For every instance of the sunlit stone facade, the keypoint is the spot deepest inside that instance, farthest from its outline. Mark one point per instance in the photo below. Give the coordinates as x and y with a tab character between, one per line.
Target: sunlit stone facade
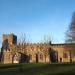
34	53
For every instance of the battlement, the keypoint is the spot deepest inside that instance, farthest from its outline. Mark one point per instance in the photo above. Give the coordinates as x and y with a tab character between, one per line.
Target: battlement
9	39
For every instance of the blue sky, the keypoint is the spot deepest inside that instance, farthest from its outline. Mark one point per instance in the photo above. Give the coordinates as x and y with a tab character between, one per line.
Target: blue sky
36	18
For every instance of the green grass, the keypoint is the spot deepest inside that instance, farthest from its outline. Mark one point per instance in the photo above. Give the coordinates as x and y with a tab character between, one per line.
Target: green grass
37	69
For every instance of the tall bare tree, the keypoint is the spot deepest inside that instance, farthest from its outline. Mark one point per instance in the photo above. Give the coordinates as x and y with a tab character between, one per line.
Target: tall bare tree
23	41
46	39
70	34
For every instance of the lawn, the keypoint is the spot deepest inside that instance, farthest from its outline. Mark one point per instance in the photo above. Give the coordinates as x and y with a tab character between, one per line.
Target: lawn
37	69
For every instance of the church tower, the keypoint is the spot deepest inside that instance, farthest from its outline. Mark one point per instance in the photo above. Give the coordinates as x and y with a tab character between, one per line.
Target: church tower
9	39
6	52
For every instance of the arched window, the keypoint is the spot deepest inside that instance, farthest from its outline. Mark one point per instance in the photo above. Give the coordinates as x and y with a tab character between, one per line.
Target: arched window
15	59
65	55
41	57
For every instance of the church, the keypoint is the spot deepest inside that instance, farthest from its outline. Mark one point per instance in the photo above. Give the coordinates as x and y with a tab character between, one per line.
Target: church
13	52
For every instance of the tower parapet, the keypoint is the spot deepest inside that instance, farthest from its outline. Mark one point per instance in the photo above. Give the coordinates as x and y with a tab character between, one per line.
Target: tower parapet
9	39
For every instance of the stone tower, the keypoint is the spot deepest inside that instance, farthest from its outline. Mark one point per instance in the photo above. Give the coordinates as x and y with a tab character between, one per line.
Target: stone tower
9	39
6	52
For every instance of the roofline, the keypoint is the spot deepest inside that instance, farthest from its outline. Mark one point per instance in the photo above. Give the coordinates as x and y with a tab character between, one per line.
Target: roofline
64	44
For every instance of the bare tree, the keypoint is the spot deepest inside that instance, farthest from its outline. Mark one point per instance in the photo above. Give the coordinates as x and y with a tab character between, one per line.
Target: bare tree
22	42
70	34
46	39
22	39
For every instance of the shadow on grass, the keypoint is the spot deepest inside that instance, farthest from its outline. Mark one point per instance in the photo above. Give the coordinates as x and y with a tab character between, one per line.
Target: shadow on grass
39	69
